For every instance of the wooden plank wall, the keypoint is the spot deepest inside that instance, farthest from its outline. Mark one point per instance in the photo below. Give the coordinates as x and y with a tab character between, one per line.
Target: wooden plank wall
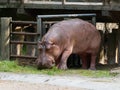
110	46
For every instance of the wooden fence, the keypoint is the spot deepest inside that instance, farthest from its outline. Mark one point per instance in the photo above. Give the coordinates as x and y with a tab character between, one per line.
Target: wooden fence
110	47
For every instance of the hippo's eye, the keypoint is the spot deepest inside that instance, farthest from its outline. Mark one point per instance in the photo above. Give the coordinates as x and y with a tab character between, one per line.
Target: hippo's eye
49	50
48	46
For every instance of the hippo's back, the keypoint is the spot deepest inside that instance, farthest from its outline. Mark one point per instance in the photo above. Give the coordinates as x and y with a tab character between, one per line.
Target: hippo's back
79	33
73	26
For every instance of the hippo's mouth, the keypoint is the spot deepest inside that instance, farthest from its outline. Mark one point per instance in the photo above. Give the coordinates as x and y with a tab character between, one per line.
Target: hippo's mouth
44	67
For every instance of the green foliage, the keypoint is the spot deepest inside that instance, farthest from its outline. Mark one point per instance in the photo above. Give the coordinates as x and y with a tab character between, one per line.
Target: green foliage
53	71
12	66
90	73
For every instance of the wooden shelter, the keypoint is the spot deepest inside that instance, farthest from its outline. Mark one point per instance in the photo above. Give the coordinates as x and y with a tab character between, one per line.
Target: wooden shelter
107	12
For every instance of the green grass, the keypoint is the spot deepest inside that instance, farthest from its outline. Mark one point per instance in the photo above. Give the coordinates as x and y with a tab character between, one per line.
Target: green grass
12	66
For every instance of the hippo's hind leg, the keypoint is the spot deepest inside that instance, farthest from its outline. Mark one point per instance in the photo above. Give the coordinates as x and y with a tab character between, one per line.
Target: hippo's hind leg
93	61
84	61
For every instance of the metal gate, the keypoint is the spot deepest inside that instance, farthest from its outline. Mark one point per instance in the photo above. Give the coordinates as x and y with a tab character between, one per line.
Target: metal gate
19	32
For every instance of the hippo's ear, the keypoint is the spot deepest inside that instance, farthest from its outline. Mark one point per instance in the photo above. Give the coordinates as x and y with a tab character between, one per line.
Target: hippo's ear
51	43
39	42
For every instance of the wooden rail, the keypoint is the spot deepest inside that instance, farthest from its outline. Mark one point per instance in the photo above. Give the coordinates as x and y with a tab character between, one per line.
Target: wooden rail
64	2
22	56
24	33
23	42
113	5
23	22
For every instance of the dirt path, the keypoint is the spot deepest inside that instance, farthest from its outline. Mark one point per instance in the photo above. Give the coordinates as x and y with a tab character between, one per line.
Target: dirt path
15	85
11	81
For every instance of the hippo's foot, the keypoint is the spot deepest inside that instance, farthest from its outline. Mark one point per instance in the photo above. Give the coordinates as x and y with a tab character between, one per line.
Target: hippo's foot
84	67
63	67
92	68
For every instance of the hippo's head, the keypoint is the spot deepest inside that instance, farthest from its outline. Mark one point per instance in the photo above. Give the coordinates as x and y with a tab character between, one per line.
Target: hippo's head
48	53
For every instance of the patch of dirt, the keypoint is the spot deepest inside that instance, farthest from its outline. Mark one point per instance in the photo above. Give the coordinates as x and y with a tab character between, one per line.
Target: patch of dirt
14	85
14	81
115	70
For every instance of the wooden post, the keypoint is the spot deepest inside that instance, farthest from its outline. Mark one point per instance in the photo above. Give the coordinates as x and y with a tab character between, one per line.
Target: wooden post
111	47
101	56
63	2
39	31
0	38
115	32
94	20
118	38
39	27
5	38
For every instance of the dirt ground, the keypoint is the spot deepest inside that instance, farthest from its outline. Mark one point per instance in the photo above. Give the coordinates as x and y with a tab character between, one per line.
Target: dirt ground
16	81
14	85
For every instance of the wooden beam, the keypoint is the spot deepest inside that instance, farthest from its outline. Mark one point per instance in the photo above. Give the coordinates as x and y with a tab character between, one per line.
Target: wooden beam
118	40
5	38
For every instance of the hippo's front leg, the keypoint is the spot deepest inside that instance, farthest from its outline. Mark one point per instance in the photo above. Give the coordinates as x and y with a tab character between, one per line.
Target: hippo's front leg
63	61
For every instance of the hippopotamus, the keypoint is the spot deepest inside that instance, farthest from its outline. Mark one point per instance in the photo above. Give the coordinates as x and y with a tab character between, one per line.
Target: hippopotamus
72	36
